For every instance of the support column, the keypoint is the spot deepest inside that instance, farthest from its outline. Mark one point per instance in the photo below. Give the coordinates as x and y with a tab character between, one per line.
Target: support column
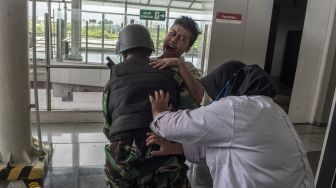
15	131
76	20
313	73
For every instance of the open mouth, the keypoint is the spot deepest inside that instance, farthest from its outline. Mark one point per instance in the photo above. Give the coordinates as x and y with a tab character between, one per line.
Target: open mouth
170	47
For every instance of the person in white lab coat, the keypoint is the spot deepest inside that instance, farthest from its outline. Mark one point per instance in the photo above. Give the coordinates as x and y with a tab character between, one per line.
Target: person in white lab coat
246	139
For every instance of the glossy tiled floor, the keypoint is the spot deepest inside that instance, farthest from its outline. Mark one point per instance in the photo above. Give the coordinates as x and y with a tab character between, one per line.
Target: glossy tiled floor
78	157
312	138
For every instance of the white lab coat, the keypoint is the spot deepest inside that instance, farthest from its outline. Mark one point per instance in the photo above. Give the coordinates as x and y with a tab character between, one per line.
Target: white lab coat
246	141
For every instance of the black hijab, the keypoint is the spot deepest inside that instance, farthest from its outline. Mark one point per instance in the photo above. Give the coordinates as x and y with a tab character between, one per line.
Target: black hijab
215	81
235	78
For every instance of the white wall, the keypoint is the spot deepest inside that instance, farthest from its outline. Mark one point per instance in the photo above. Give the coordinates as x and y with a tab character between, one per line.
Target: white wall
246	41
312	56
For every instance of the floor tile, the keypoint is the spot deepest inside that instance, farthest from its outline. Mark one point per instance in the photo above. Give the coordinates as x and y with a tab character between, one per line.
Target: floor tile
314	158
312	142
71	133
64	155
78	157
304	129
83	154
75	177
91	154
61	177
89	177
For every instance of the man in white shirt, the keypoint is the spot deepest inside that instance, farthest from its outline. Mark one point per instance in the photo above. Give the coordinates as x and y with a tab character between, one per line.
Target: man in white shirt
246	139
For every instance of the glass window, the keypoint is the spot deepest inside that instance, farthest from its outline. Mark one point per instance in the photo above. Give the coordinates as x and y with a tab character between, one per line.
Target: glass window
135	11
41	88
113	25
94	36
157	30
77	89
80	89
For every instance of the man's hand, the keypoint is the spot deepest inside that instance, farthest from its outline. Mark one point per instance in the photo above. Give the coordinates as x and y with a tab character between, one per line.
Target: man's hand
194	87
160	102
166	62
166	147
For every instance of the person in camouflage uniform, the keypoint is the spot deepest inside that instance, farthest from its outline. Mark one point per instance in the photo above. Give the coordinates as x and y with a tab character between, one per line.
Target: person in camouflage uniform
179	40
129	162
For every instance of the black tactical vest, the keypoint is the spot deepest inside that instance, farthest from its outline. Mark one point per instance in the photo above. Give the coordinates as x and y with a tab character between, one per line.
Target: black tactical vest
131	83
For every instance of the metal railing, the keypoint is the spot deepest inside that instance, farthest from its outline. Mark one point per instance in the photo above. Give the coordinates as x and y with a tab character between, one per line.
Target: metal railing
37	109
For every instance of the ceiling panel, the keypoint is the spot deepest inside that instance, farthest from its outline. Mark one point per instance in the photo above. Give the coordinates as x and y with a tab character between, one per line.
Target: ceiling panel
133	1
181	4
159	2
197	6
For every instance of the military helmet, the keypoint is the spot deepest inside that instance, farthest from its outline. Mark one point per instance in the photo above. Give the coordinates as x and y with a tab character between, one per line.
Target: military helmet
133	36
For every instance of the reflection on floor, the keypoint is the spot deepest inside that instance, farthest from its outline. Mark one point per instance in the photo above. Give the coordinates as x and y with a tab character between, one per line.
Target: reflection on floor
78	157
312	138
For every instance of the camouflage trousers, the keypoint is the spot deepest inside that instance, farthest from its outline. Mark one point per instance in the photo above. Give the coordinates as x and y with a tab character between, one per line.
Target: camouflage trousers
130	165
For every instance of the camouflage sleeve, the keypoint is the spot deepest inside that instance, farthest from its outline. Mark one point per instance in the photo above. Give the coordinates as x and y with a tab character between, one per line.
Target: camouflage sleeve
193	70
105	103
186	100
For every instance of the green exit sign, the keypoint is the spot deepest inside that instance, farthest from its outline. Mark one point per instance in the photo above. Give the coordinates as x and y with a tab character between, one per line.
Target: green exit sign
152	15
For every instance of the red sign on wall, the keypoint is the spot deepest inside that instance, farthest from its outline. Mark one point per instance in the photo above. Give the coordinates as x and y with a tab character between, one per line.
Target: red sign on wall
222	17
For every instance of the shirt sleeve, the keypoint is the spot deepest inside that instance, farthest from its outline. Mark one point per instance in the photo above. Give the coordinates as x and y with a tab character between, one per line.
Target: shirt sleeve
210	126
194	153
